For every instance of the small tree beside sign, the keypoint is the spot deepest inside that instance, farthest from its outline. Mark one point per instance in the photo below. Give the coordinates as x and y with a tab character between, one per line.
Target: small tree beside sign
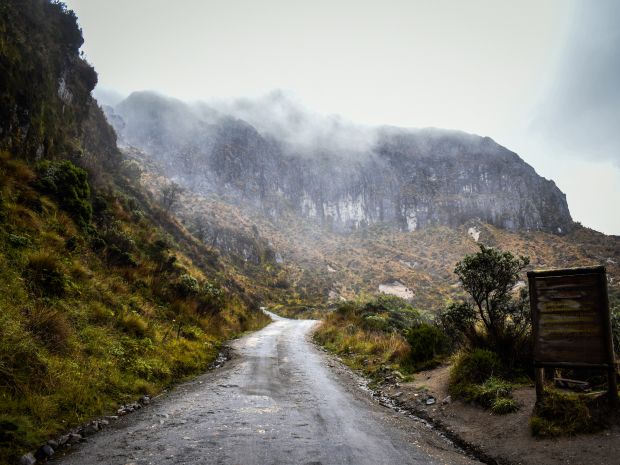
571	323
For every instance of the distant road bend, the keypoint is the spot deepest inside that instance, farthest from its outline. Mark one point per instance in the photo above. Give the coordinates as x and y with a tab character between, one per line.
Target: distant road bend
275	402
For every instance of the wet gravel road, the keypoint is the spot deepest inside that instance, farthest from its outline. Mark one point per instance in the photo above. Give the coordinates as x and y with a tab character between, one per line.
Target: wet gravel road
276	402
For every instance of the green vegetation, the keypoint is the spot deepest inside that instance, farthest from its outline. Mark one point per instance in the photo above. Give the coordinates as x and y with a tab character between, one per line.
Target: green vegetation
566	414
494	318
383	333
69	185
475	377
428	344
104	296
82	331
492	330
301	312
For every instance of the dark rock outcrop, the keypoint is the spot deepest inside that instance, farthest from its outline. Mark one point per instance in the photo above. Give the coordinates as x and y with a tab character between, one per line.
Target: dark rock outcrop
404	178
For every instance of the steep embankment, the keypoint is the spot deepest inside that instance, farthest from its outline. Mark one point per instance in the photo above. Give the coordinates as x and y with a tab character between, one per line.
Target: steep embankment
105	296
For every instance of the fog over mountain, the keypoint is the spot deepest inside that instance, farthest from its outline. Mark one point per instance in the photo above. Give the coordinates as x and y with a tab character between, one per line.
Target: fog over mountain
277	156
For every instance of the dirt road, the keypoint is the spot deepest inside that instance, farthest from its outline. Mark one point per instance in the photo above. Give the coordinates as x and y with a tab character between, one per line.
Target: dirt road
276	402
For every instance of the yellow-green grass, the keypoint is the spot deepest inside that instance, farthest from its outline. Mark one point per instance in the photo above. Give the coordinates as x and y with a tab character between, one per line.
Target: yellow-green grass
80	335
371	351
567	414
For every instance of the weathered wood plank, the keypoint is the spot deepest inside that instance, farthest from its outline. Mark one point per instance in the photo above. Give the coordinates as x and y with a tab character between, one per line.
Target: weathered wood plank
571	322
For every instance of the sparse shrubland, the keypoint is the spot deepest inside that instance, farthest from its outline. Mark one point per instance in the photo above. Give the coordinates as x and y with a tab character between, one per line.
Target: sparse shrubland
383	333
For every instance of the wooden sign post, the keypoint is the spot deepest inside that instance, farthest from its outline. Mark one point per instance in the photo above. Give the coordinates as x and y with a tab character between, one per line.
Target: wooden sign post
571	323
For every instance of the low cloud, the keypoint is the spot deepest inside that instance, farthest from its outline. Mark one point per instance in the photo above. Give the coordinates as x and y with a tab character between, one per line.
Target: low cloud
581	113
303	132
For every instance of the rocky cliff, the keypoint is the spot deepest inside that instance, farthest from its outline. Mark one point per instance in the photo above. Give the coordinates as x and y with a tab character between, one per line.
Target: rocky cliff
340	175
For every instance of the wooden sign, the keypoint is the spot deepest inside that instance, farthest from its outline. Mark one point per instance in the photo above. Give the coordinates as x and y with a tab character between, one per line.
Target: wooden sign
570	320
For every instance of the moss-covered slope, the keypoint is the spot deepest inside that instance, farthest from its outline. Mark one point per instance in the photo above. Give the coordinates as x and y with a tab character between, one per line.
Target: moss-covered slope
103	296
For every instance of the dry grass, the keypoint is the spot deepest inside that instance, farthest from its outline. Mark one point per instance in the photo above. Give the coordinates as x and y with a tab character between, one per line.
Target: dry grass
363	349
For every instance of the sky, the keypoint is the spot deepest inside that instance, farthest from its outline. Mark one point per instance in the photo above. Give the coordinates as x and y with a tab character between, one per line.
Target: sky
540	77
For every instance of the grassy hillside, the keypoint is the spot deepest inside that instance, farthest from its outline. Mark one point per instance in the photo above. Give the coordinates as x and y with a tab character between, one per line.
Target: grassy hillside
93	316
104	296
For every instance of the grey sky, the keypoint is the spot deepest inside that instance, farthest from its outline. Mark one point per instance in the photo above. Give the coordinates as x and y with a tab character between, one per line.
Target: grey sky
538	76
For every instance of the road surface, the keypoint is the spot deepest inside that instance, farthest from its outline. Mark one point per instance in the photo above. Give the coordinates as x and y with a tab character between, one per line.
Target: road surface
278	401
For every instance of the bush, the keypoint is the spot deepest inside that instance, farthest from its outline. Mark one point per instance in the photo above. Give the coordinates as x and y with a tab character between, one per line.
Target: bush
399	313
489	277
69	184
44	276
475	367
18	241
375	322
212	298
427	342
118	257
187	286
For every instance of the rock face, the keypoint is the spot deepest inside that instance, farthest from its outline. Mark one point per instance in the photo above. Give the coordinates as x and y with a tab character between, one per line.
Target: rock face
406	179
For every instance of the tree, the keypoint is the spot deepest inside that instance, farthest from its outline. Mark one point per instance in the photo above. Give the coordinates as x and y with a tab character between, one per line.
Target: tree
490	277
170	196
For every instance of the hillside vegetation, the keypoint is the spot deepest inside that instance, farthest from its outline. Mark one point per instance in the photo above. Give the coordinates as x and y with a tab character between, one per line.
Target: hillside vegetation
292	261
105	297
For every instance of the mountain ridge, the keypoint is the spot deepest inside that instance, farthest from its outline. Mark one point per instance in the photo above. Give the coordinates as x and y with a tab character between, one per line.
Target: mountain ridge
406	178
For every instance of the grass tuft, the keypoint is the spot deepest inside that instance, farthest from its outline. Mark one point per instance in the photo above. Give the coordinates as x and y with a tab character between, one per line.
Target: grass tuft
567	414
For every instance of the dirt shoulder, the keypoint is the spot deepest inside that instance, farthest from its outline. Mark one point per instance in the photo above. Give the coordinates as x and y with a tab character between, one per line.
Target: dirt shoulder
502	439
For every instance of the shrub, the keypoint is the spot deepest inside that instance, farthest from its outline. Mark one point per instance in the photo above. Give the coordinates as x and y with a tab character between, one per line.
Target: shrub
187	286
119	257
400	314
459	321
72	243
347	309
489	277
427	342
475	367
375	322
44	276
97	243
69	184
212	298
121	246
18	241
